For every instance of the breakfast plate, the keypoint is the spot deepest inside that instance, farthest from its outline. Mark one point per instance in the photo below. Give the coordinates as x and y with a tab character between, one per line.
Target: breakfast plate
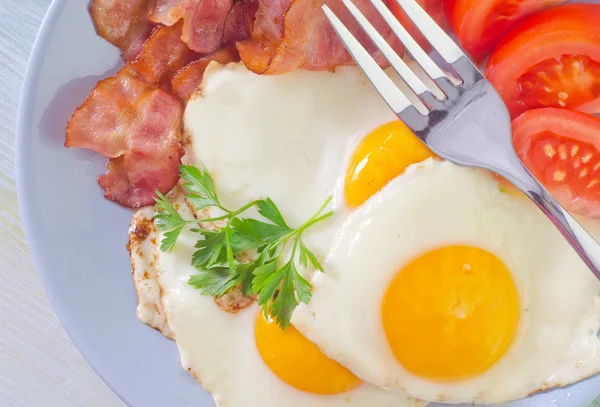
77	240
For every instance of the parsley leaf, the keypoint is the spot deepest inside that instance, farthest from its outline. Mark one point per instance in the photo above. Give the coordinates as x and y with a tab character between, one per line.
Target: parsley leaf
301	286
281	308
168	220
245	277
200	187
214	281
306	253
211	250
263	273
294	288
268	232
245	236
281	290
268	209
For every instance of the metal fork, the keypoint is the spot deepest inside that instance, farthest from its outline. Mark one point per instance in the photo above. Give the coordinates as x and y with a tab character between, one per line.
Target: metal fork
458	115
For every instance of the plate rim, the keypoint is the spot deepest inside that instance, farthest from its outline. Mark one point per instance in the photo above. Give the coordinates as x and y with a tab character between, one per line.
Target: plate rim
24	124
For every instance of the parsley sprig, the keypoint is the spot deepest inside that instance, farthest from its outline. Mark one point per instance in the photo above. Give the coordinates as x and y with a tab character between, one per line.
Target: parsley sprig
244	252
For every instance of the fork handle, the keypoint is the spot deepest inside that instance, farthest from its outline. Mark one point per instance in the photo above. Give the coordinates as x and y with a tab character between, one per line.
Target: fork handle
584	244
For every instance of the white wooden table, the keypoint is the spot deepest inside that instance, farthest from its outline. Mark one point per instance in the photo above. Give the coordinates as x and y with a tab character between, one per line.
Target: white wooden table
39	366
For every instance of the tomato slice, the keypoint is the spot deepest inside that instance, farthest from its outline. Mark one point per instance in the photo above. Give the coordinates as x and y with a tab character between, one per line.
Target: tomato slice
481	24
433	7
550	60
561	148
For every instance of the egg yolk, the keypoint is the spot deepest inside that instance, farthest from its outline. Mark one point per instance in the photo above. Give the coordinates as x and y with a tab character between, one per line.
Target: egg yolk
380	157
299	362
451	313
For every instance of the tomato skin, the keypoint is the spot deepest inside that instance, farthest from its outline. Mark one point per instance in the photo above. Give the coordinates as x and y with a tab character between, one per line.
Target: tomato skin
481	24
435	8
561	148
566	30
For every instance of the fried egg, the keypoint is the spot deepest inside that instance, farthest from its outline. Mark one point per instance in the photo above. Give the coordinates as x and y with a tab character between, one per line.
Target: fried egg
442	286
241	358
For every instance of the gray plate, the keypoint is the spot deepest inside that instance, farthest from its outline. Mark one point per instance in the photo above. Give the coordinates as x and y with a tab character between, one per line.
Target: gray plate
77	239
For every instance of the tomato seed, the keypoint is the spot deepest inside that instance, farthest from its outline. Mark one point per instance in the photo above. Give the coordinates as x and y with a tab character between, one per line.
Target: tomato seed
574	150
562	152
549	150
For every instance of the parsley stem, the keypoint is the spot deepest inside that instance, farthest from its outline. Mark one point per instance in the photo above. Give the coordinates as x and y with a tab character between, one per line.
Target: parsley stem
294	247
228	215
243	209
321	209
313	221
211	219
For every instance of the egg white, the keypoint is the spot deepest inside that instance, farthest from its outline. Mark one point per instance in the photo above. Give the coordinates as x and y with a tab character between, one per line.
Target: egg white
435	204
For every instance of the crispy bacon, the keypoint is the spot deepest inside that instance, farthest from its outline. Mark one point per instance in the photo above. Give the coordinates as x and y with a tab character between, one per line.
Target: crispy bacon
139	129
125	24
154	154
101	123
133	120
187	80
163	54
204	21
290	34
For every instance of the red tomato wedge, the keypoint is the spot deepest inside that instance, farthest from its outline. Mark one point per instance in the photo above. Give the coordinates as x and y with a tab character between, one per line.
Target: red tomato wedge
433	7
561	148
481	24
550	60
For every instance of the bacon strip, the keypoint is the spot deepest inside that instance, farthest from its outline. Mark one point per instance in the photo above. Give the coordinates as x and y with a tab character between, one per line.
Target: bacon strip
204	21
139	129
123	23
290	34
187	80
101	123
133	120
154	154
163	54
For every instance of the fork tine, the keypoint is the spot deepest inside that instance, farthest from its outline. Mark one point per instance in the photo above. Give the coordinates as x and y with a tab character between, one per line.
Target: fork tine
413	81
384	85
442	43
418	54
